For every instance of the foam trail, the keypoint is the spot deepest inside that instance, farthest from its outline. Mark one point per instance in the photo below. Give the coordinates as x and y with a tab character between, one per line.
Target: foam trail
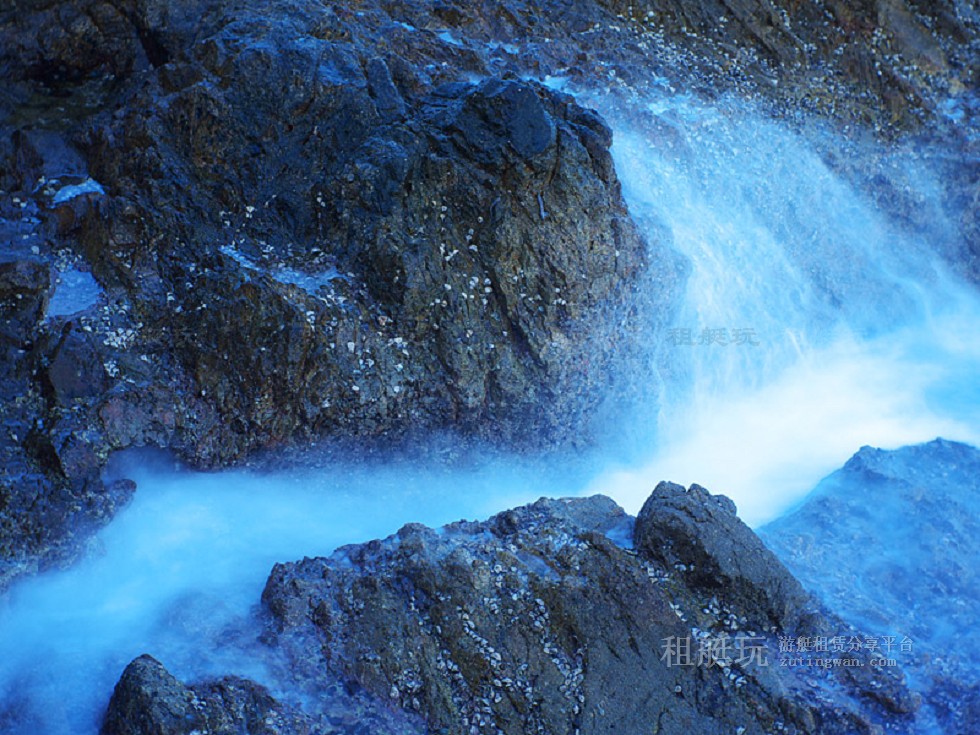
766	448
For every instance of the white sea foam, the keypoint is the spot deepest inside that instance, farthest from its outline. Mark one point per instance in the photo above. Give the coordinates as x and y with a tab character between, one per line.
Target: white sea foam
180	570
811	324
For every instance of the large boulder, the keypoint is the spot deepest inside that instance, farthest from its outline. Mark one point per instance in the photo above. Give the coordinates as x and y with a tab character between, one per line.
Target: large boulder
533	620
302	223
466	264
701	537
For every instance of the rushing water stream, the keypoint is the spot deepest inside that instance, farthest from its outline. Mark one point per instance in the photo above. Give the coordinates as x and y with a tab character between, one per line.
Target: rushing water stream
810	326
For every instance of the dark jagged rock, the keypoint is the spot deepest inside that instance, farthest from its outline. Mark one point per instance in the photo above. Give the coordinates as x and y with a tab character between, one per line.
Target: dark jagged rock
433	272
301	230
148	700
49	473
533	621
883	62
918	507
700	535
24	289
310	220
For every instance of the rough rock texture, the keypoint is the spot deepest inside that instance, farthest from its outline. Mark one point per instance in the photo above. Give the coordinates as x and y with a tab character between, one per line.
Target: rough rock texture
557	617
310	219
919	508
562	616
451	268
304	224
148	700
703	534
49	471
880	61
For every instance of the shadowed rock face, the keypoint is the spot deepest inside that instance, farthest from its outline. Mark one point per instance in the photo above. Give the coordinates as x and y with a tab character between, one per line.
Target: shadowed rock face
880	61
465	267
702	534
558	617
148	700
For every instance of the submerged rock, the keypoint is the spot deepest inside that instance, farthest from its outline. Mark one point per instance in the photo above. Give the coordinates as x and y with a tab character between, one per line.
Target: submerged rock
566	616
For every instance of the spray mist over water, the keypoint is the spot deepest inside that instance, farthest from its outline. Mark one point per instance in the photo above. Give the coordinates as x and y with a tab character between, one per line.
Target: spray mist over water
831	329
810	325
180	571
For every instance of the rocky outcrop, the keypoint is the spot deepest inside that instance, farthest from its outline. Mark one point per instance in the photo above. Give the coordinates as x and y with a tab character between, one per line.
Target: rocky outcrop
919	507
49	471
148	700
304	224
701	536
885	62
307	221
467	266
561	616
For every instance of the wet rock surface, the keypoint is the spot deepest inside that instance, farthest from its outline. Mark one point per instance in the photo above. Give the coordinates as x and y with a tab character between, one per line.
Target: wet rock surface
561	616
148	700
918	507
702	534
298	232
310	221
307	221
